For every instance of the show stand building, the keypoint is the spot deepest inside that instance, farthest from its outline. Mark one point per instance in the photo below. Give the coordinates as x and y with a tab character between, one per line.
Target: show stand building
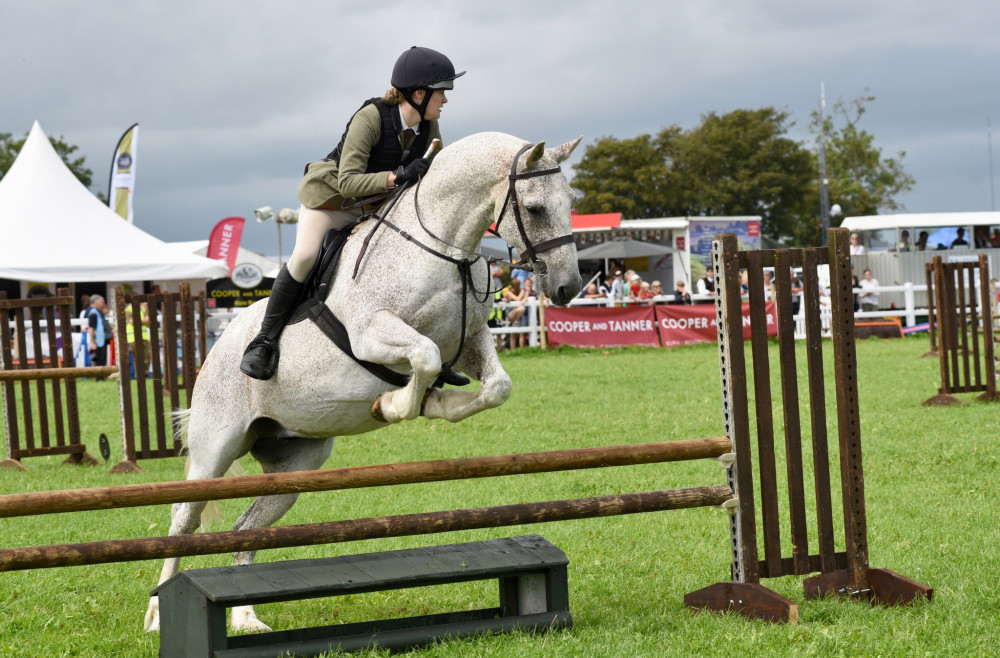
689	237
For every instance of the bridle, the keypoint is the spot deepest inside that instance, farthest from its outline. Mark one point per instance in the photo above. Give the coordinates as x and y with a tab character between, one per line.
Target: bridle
528	259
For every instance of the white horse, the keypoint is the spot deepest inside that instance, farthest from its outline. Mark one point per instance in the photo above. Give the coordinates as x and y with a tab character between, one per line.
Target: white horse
403	309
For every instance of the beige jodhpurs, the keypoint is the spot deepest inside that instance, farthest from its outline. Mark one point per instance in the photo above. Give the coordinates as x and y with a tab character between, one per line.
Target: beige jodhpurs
312	228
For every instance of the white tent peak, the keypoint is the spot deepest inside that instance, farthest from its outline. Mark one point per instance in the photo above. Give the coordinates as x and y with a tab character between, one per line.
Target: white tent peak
53	229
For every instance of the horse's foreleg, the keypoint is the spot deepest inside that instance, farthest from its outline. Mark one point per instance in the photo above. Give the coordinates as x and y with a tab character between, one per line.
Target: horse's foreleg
185	519
275	456
480	361
390	341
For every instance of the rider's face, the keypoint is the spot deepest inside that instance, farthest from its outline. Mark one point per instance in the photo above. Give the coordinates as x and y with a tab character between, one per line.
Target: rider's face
438	99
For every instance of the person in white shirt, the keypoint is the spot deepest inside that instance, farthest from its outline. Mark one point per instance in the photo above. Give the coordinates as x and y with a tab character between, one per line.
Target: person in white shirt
706	284
867	298
857	248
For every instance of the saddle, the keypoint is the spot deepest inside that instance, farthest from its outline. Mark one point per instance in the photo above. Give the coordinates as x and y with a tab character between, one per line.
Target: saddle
312	305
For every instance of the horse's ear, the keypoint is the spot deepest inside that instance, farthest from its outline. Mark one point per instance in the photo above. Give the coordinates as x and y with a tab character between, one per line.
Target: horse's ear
563	151
535	155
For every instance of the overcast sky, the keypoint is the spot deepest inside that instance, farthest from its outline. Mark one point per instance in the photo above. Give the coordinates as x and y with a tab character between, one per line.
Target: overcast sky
233	97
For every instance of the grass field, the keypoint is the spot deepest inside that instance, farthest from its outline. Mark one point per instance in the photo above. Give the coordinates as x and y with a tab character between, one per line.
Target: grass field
931	482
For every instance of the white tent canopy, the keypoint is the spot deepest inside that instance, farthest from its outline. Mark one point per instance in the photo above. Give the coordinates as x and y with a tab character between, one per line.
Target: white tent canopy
53	229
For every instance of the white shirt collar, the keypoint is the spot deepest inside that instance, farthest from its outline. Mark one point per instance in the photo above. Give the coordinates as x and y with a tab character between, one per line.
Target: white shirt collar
402	121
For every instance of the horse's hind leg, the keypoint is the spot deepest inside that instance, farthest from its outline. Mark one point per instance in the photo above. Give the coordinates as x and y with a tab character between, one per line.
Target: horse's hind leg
276	455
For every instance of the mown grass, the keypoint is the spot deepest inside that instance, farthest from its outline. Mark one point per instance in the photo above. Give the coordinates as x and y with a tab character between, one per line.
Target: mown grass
930	476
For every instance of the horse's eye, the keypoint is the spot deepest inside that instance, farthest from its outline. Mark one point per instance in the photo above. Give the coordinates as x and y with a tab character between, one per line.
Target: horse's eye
534	209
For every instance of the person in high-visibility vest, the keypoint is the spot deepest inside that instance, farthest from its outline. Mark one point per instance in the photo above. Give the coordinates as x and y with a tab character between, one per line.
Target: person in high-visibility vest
147	350
496	317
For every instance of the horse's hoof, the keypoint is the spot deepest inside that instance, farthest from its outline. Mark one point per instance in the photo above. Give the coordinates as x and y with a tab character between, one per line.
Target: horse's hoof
376	410
152	621
244	620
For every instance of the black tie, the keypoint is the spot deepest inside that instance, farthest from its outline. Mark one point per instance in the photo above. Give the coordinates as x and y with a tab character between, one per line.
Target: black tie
408	136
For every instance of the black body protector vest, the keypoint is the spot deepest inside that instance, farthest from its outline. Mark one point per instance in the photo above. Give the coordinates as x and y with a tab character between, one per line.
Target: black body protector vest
387	154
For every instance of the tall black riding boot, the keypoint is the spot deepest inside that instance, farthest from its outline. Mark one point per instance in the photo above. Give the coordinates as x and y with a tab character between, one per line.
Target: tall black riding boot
260	359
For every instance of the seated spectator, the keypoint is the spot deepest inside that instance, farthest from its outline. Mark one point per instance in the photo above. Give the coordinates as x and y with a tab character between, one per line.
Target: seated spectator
922	241
857	249
960	242
514	294
980	239
995	238
904	241
706	284
657	289
592	292
645	294
681	295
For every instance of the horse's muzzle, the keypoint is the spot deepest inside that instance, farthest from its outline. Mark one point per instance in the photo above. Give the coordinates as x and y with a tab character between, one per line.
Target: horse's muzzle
564	290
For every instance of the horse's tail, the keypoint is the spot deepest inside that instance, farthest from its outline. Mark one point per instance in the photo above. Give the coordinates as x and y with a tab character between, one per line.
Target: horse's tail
213	510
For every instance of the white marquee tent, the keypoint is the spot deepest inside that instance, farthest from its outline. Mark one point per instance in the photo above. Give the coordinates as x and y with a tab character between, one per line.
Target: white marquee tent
53	229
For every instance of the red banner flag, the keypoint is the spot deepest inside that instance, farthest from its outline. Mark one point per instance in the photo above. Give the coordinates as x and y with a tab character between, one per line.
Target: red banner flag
600	327
224	242
687	325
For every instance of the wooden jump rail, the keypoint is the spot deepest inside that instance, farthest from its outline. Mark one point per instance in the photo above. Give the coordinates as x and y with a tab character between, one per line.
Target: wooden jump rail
161	493
128	550
62	436
966	349
37	557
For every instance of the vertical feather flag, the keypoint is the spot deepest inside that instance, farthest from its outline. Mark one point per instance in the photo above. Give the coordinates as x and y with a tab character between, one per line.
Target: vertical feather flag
224	242
121	183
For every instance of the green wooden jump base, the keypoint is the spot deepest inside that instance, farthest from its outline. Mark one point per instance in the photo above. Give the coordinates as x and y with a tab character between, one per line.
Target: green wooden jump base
531	574
839	572
966	349
61	436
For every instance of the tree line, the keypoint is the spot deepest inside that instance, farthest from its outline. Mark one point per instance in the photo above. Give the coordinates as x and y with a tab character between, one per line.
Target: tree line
744	163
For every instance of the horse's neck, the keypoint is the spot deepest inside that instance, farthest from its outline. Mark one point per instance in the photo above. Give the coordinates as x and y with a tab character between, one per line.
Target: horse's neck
459	217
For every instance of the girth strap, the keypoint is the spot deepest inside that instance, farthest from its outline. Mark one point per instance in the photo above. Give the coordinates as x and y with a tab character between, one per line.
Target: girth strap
335	330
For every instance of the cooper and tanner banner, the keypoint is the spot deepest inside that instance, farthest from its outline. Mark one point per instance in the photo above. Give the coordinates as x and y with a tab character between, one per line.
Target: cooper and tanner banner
224	243
121	184
665	325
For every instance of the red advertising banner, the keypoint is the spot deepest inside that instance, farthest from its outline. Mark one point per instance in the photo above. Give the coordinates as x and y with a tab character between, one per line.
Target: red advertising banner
224	242
687	325
601	327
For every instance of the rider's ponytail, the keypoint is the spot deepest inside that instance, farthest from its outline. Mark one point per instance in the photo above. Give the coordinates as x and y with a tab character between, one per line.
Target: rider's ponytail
392	96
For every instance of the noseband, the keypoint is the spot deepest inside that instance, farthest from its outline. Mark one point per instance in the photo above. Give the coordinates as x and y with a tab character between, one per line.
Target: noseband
529	260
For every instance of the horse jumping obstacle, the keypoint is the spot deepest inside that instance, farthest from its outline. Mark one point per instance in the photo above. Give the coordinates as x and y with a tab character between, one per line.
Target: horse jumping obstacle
166	340
845	573
966	349
47	320
531	573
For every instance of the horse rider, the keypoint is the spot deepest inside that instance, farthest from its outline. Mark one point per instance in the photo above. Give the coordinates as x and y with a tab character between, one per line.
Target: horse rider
381	149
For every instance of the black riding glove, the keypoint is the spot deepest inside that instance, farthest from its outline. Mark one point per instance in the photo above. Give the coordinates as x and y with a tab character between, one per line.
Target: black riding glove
412	171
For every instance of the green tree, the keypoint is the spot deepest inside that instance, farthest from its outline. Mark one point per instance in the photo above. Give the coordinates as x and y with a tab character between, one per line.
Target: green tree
739	163
631	176
10	147
860	179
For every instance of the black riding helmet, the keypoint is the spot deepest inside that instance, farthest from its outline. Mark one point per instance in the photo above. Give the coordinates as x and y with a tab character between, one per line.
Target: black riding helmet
423	68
